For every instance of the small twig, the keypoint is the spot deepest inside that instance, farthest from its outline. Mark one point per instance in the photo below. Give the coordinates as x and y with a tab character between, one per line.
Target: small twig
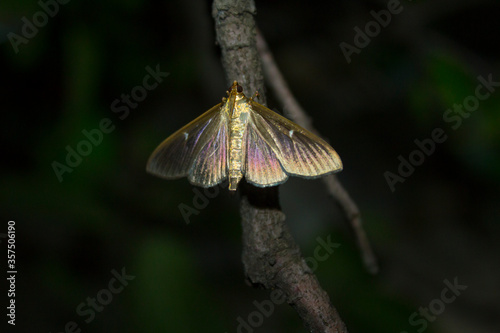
335	188
351	211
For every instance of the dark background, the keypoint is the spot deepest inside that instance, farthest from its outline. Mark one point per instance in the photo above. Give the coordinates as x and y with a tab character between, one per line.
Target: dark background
441	224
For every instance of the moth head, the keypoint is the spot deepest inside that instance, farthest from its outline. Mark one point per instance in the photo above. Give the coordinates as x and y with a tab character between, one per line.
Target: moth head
235	88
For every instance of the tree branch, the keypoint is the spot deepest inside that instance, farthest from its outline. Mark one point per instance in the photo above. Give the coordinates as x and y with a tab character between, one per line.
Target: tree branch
270	256
235	34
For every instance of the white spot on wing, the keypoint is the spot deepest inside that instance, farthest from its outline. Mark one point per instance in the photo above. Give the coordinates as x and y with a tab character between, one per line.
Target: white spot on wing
186	135
290	134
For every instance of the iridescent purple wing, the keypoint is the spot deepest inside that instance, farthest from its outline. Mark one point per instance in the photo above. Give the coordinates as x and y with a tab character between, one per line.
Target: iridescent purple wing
262	167
198	151
299	152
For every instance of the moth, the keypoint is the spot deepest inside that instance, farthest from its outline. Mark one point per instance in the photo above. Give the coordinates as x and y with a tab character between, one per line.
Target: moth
241	138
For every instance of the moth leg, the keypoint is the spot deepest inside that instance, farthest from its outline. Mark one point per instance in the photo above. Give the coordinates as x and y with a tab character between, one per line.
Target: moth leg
254	96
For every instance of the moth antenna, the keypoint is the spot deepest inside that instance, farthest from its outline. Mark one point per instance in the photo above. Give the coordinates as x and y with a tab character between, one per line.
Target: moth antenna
255	95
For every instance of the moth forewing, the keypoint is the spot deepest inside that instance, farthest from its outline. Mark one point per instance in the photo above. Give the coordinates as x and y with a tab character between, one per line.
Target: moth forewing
300	152
262	167
209	167
198	150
